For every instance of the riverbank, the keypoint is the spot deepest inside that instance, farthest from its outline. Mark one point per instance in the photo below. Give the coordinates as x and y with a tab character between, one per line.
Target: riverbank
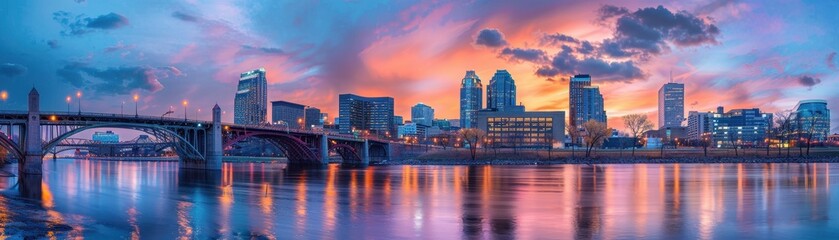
687	155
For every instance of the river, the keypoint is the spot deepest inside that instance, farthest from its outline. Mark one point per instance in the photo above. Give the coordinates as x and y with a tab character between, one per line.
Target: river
156	200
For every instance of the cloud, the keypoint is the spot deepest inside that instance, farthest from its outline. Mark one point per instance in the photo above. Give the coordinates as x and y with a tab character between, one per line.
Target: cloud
650	31
53	44
809	81
557	38
251	50
525	54
608	11
184	16
107	21
12	70
118	47
116	80
831	61
80	25
713	6
565	62
490	37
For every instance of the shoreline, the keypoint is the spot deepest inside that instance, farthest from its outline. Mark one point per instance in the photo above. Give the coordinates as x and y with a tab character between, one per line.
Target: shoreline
591	161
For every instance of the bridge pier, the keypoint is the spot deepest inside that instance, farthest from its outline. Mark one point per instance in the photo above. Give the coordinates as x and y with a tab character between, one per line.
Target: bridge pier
365	153
215	150
324	149
32	162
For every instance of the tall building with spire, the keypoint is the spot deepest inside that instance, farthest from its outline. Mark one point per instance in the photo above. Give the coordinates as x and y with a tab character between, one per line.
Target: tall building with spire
671	105
471	99
501	91
251	102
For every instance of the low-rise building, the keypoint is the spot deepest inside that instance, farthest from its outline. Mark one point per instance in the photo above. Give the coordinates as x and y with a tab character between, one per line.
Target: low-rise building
521	129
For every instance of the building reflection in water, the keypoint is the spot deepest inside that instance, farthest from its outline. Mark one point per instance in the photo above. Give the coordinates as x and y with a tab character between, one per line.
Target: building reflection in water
672	201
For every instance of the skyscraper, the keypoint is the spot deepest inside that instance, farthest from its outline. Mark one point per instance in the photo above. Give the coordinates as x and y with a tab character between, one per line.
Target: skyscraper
501	91
313	118
251	102
422	114
671	105
365	113
575	98
289	113
592	105
471	99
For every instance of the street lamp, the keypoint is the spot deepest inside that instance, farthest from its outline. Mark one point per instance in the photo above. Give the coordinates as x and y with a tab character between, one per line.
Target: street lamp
68	103
79	97
300	123
185	103
4	95
136	97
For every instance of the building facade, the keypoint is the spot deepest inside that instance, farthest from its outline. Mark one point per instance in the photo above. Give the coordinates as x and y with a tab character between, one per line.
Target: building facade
740	127
251	102
105	137
576	116
591	107
374	114
471	99
812	117
312	118
422	114
671	105
699	124
501	91
512	129
292	114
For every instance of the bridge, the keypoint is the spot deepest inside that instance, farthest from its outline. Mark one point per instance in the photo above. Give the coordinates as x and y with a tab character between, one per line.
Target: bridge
29	135
141	146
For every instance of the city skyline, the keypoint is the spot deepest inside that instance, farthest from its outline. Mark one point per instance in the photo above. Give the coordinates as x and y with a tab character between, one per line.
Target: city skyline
110	61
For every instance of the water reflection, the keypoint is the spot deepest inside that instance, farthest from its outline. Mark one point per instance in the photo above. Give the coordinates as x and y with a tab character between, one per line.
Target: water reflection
102	199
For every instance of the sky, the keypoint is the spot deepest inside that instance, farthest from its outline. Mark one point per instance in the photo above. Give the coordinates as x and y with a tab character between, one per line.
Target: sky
736	54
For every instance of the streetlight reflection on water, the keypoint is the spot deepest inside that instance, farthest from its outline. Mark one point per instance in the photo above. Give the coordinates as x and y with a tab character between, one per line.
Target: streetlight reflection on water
158	200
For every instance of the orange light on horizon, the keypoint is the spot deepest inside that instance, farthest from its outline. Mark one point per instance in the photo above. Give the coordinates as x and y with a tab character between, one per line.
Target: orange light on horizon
4	95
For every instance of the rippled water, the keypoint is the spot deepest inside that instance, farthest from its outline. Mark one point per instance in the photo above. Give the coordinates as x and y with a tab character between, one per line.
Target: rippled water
154	200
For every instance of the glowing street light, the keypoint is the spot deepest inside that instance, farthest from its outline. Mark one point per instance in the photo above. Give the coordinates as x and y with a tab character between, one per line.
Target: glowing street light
136	98
79	97
69	98
4	95
185	103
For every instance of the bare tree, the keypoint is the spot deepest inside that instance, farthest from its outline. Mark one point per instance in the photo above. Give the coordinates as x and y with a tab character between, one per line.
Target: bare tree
472	136
574	134
811	130
784	129
595	133
733	137
637	124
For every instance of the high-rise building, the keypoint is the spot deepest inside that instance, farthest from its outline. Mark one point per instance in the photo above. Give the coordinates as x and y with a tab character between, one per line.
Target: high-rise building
251	102
313	118
699	123
422	114
742	127
324	118
576	117
501	91
591	107
671	105
397	120
290	113
374	114
471	99
812	117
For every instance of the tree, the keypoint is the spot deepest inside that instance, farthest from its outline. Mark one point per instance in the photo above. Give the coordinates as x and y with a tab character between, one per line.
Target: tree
574	135
733	138
784	129
637	124
811	130
472	136
594	134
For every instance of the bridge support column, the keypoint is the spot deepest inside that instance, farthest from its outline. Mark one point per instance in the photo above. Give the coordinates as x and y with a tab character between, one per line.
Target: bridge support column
324	149
33	146
365	153
215	150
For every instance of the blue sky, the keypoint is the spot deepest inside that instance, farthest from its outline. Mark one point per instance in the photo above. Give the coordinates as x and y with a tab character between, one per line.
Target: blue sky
767	54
